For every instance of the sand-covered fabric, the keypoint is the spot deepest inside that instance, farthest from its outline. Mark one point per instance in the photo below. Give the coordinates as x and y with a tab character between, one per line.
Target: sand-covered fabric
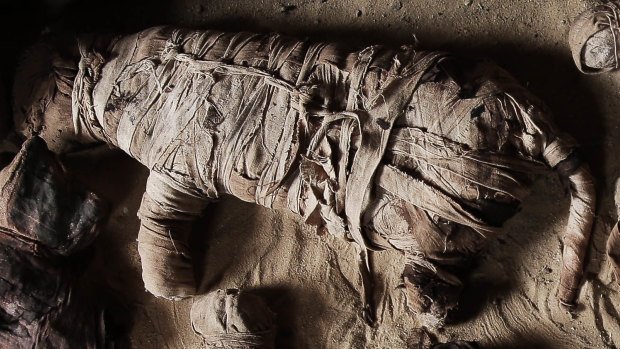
511	302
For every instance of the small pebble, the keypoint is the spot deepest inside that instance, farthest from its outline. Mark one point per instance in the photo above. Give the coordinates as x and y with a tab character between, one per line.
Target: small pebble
397	6
468	2
358	13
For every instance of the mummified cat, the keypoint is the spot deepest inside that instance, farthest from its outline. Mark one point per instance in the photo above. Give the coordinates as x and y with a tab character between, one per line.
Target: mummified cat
417	151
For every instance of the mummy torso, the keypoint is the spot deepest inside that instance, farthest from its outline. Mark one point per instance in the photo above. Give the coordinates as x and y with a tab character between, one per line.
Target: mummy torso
211	105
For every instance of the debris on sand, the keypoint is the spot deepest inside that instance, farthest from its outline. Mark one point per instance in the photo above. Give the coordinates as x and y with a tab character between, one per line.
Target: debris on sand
287	8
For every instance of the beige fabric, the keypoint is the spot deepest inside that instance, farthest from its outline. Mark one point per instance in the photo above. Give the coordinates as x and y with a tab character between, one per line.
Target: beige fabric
166	215
326	133
603	17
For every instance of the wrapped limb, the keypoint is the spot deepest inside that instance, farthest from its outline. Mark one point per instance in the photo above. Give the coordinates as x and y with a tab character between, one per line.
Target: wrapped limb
166	216
577	236
561	155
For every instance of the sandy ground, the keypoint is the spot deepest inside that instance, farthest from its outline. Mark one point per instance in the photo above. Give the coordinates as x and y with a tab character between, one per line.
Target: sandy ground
311	281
